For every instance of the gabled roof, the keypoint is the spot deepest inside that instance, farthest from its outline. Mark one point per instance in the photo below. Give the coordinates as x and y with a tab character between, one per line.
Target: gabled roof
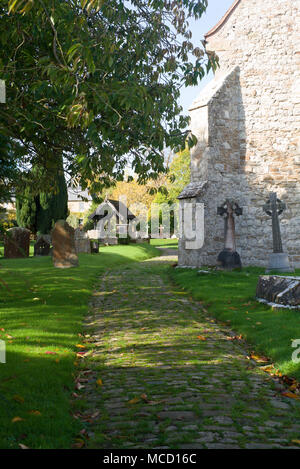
118	206
222	20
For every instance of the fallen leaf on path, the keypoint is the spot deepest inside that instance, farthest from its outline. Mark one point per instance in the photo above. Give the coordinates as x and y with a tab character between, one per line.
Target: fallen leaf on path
291	395
259	359
79	386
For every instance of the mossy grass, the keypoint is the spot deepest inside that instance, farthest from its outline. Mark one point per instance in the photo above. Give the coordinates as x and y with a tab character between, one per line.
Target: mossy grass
41	315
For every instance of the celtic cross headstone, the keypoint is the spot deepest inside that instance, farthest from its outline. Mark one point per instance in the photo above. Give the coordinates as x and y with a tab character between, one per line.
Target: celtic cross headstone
228	257
278	260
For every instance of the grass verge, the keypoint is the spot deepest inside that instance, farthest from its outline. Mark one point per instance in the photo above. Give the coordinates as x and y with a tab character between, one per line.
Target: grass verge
230	298
41	313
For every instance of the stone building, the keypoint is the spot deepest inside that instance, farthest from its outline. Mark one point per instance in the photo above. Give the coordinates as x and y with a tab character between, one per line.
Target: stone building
247	125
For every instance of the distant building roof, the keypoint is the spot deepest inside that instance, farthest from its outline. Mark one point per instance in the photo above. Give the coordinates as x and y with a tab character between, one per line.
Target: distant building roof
118	206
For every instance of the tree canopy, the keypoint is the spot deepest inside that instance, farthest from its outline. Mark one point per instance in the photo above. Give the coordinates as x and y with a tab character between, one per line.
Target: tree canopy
97	82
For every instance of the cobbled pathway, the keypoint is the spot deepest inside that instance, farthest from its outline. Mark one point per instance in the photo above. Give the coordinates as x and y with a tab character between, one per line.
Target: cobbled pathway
170	378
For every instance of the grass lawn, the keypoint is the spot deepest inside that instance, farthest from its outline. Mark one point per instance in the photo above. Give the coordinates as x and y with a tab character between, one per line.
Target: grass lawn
41	313
165	243
230	298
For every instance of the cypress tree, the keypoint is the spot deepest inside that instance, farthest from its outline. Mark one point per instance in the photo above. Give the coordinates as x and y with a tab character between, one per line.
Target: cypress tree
39	212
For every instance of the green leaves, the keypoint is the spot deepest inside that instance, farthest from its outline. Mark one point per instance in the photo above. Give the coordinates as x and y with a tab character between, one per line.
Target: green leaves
21	6
99	78
89	4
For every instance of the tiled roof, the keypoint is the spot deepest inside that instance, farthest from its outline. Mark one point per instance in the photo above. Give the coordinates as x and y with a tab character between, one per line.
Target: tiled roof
118	206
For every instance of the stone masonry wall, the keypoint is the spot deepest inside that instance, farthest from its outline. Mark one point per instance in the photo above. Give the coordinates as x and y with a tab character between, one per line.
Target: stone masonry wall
247	124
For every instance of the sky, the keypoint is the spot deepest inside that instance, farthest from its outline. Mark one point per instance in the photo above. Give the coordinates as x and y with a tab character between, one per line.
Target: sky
215	10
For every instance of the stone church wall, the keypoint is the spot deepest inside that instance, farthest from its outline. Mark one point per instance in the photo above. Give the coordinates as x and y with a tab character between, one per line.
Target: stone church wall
247	125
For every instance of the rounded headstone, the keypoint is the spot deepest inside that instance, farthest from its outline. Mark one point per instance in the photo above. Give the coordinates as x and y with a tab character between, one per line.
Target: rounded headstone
63	254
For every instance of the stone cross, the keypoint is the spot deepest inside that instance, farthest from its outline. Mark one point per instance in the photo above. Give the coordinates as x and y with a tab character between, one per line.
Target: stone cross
229	258
230	209
274	207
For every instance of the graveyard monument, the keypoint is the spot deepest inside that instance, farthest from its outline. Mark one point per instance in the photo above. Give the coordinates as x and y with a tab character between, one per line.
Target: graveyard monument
64	253
228	257
16	243
278	260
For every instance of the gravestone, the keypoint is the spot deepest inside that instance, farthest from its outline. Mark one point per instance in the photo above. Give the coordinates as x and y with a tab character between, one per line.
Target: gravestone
42	245
94	246
228	257
16	243
278	260
82	242
279	290
63	254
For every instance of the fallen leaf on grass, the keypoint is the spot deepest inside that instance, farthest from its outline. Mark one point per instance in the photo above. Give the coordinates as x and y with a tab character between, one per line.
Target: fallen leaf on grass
19	399
34	412
201	337
80	346
23	446
99	382
16	419
50	353
135	400
79	443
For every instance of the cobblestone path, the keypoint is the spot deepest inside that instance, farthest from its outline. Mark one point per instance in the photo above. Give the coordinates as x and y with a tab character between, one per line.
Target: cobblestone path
170	378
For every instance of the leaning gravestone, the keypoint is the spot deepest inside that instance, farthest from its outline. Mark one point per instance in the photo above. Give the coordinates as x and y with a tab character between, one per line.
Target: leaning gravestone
63	253
82	242
42	245
16	243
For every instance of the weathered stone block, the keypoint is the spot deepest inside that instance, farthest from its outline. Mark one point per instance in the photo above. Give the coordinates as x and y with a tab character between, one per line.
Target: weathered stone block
82	242
279	290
